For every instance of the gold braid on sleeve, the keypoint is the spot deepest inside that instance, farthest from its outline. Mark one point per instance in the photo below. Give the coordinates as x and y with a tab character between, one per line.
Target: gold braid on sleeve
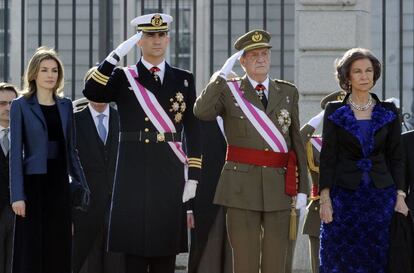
310	159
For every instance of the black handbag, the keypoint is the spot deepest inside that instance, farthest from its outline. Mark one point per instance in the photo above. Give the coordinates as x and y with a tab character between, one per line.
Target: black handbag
401	251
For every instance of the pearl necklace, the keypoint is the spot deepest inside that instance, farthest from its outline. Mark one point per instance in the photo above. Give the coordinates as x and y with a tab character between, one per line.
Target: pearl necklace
360	107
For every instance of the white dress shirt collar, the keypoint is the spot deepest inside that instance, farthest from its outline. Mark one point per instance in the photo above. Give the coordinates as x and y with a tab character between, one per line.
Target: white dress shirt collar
265	83
96	113
161	66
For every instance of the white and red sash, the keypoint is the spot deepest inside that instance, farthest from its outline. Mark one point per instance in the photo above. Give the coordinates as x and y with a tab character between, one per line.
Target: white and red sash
264	126
152	108
317	143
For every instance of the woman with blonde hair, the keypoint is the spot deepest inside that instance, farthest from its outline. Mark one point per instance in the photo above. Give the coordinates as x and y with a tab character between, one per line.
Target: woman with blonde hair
42	155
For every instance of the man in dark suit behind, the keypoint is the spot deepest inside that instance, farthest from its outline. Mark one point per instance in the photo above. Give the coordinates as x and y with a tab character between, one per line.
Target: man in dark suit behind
97	128
408	139
210	250
8	92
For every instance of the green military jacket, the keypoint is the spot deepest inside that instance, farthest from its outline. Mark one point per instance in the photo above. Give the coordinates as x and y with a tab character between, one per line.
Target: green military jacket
247	186
312	221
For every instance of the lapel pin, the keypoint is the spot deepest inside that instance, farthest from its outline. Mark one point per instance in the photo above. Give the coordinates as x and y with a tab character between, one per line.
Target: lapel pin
185	83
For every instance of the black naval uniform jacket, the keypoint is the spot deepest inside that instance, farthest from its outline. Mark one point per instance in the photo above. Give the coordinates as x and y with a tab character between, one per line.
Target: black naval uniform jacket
147	215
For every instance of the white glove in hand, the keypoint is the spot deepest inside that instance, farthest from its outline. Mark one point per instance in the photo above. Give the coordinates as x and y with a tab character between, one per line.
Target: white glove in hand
228	65
316	120
301	199
124	48
189	190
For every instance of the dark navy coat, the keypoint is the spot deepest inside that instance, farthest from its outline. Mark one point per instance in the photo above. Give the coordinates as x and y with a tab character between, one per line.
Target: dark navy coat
147	215
29	143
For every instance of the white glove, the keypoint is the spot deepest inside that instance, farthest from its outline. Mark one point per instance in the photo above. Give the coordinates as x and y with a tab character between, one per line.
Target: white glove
189	190
316	120
123	48
228	65
301	200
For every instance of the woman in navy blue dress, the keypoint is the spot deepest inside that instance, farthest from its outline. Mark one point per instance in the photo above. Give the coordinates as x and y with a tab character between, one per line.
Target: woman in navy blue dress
361	171
42	157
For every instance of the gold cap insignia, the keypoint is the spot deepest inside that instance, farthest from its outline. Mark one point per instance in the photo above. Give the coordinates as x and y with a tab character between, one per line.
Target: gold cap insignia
156	21
257	37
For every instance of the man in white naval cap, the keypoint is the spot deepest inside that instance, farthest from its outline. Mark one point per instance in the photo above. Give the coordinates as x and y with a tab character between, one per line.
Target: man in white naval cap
155	102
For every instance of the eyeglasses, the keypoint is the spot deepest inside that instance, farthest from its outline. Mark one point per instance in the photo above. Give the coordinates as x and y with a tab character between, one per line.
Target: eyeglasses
4	103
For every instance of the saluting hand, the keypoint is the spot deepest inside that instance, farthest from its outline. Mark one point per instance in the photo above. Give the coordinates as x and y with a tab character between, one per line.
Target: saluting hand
123	48
19	208
228	65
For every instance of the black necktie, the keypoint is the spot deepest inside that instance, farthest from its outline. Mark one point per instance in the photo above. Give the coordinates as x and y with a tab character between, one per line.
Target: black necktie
260	92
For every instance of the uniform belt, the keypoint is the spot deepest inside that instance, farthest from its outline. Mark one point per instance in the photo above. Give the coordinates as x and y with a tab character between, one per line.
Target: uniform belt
268	159
141	136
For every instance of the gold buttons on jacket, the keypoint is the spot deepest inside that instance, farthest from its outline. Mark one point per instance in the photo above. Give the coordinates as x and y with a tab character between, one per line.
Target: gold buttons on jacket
147	140
241	117
266	150
146	130
146	119
235	168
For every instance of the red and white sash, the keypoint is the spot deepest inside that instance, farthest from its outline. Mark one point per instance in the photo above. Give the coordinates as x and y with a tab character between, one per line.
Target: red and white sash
317	143
264	126
154	111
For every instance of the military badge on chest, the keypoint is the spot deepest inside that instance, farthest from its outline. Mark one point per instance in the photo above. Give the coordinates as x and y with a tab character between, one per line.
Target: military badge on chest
283	118
178	106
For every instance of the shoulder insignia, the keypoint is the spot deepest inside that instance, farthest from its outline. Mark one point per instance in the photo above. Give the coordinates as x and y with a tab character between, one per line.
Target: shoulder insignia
235	79
284	82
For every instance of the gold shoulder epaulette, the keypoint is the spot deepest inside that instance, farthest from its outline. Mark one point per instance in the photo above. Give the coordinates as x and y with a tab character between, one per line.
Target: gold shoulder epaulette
285	82
235	79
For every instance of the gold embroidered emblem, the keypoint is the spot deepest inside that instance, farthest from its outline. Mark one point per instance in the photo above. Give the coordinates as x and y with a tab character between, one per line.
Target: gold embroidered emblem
178	106
179	97
156	21
183	106
178	117
257	37
175	106
283	118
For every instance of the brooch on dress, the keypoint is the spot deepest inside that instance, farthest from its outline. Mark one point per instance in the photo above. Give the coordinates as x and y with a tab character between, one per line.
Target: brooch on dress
284	120
178	106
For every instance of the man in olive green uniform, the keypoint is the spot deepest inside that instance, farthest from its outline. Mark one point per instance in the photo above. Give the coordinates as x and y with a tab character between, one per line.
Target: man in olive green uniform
261	122
312	221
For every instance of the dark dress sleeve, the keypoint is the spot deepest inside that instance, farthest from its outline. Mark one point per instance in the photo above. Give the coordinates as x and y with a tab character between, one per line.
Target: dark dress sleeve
328	156
394	151
103	84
